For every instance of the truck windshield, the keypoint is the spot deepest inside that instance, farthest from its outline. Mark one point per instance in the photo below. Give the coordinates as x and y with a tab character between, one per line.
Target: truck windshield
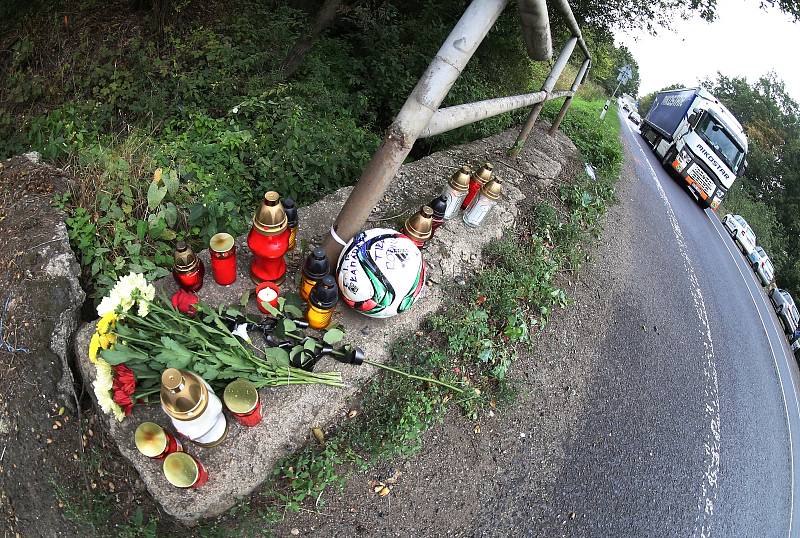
713	133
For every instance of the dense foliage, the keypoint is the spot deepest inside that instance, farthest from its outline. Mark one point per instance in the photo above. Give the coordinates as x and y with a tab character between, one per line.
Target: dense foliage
768	195
177	120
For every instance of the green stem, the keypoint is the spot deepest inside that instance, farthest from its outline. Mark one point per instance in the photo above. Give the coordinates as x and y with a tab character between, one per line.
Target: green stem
412	376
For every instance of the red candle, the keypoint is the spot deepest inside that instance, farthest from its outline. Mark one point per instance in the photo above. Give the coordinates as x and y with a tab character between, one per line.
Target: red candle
154	442
223	258
474	187
188	269
241	398
267	292
269	240
184	471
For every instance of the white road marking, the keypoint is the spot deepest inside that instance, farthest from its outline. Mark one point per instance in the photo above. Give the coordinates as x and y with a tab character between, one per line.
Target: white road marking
707	489
727	242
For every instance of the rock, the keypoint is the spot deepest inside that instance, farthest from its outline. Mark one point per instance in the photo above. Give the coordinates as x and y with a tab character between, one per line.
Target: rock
246	458
40	303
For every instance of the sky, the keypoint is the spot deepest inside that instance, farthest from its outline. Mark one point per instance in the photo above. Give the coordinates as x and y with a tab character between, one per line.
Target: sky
743	41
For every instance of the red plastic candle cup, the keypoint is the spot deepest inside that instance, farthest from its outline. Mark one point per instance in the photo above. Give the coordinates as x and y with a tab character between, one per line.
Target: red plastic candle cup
241	399
184	471
268	240
267	292
154	442
474	187
222	248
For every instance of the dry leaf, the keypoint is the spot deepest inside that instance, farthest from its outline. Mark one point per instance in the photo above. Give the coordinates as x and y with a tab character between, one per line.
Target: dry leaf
377	488
477	428
319	435
157	175
384	492
394	477
352	413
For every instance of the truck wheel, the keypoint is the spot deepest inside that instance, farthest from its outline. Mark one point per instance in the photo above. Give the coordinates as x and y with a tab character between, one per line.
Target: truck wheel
704	204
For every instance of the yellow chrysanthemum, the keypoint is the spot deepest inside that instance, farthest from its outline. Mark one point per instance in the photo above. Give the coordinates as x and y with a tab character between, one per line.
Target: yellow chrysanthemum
106	323
107	339
94	347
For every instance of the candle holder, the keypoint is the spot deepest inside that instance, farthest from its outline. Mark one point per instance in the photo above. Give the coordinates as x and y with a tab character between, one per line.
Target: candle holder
456	190
419	227
187	270
321	302
269	240
476	181
222	249
184	471
155	443
241	399
267	292
292	221
480	206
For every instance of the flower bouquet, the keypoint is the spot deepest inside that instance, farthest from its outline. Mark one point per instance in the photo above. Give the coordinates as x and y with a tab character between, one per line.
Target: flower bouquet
132	346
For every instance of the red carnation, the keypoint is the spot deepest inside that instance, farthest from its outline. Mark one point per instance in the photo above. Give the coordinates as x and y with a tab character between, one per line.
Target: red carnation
184	302
124	387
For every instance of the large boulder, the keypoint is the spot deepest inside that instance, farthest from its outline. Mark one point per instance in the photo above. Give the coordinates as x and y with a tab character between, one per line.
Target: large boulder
40	303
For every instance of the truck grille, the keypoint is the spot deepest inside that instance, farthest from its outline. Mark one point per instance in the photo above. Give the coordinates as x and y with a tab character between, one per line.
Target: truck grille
700	176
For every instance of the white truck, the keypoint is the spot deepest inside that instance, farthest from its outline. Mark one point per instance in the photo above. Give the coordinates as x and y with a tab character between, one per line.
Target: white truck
699	139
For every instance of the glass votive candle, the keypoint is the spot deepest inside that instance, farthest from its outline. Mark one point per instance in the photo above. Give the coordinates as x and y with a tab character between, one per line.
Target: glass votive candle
152	441
184	471
222	249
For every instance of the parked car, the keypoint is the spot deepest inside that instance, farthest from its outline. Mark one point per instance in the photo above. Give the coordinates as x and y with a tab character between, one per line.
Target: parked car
741	232
794	341
635	117
762	265
786	309
626	107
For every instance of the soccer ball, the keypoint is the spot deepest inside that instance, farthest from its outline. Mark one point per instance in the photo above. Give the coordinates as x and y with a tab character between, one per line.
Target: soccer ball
380	273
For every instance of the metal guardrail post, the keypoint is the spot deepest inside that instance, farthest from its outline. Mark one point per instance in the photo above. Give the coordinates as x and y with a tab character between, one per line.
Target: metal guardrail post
568	101
548	86
417	111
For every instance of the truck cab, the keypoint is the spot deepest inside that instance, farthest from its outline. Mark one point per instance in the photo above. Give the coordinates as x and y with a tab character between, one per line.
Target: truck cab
698	139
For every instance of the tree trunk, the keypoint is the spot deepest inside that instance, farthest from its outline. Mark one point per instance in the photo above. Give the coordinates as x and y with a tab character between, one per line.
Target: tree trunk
326	16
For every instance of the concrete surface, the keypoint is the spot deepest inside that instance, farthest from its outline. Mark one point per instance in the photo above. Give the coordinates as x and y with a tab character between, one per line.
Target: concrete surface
247	457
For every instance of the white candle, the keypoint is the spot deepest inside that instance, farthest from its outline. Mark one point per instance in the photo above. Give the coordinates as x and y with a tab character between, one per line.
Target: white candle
266	295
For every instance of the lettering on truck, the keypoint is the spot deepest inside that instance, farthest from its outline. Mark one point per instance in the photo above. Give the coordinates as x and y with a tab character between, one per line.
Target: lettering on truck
713	161
673	100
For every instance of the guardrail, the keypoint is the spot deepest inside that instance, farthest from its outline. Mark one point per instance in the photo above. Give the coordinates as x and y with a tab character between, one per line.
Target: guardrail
421	117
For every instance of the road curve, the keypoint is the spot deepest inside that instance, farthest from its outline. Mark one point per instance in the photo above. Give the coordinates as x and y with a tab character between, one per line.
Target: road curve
692	419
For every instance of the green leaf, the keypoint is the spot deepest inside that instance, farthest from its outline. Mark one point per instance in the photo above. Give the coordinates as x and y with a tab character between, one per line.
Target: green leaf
277	356
171	181
231	360
170	214
295	300
244	299
232	312
179	361
294	352
293	311
154	195
310	344
332	336
281	302
288	325
120	354
210	374
271	309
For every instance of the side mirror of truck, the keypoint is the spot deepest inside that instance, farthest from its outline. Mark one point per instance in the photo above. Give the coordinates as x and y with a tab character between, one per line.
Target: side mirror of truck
692	118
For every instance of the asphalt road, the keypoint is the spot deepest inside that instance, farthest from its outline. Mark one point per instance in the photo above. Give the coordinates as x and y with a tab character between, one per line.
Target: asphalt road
691	419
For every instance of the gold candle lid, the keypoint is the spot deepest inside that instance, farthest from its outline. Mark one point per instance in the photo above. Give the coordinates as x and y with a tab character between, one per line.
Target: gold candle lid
484	174
183	395
185	258
270	219
151	440
240	396
181	469
221	242
460	180
419	226
493	189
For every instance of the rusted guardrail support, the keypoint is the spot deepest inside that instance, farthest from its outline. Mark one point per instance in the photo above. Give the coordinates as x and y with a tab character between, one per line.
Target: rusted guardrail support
417	111
421	117
549	84
568	101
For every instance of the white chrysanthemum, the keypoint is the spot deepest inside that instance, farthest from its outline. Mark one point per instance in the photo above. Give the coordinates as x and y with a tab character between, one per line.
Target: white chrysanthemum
103	383
121	296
